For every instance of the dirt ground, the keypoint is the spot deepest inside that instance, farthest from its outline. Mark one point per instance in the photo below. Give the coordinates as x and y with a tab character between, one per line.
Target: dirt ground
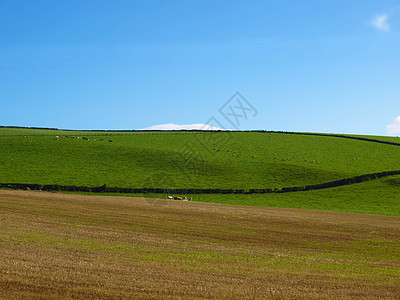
77	246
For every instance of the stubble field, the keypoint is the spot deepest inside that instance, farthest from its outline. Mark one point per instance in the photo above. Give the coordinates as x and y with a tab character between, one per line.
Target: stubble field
79	246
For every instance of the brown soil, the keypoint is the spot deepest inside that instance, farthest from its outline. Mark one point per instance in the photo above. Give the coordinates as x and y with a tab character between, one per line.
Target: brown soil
77	246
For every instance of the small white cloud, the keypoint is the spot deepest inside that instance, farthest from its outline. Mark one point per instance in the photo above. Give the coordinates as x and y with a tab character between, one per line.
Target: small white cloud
394	127
172	126
380	22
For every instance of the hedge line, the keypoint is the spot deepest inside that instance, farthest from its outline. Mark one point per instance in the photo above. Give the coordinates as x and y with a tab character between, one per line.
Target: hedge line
212	131
336	135
105	189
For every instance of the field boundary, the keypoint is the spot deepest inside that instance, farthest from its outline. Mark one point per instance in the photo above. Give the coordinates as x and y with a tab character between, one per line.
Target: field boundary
144	190
338	136
127	131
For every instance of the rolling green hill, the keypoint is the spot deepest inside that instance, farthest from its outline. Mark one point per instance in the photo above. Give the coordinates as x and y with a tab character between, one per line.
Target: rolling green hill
198	160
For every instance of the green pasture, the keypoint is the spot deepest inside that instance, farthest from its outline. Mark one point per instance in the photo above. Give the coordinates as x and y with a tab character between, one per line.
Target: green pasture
237	160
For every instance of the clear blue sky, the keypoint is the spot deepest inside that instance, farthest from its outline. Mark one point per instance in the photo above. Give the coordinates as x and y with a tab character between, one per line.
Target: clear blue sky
322	66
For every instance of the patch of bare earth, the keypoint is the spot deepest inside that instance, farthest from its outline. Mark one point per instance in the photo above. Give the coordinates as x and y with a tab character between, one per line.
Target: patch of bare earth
77	246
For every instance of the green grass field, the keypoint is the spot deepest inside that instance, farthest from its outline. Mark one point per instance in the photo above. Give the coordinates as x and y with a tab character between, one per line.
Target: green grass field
225	160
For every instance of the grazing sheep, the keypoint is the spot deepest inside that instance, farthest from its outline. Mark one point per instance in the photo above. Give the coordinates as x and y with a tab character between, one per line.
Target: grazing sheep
254	156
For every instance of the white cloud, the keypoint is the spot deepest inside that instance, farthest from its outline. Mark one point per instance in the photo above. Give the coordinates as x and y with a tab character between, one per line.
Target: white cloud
379	22
394	127
172	126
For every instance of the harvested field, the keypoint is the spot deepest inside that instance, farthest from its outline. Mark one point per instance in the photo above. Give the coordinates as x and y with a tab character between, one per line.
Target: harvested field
78	246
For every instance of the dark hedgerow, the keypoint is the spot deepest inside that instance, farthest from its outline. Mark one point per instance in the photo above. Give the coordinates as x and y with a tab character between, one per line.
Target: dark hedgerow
105	189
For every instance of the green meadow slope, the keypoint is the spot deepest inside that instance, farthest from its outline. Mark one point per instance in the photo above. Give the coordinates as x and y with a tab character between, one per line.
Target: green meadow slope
210	160
226	160
376	197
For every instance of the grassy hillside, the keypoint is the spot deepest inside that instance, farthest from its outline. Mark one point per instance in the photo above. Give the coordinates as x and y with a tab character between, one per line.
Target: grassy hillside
187	159
80	247
377	197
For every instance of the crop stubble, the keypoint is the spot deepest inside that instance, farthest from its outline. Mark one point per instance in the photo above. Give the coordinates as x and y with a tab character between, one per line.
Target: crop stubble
64	245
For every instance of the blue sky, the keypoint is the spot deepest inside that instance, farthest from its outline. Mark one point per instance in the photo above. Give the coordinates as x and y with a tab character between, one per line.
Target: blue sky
321	66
